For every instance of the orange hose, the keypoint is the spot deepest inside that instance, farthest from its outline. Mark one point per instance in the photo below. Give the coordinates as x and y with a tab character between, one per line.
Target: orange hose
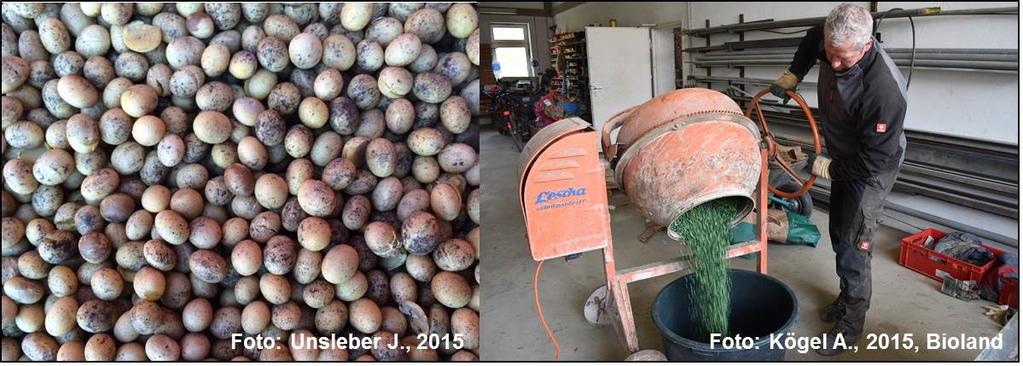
539	310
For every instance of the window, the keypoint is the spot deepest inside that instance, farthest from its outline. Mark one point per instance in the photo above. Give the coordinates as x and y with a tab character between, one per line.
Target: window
512	52
505	33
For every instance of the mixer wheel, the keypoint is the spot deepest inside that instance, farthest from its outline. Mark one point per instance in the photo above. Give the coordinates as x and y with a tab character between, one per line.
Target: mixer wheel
804	203
597	307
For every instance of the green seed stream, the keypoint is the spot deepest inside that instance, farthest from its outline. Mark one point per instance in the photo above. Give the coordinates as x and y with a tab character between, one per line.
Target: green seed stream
705	230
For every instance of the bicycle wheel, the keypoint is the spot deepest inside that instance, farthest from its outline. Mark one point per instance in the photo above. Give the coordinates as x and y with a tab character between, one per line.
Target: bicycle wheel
516	131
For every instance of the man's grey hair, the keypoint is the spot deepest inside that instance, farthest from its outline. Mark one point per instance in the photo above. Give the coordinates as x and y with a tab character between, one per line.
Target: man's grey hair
848	22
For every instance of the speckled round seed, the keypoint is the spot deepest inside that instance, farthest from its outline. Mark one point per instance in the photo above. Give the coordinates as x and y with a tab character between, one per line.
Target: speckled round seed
316	198
313	112
53	167
148	130
212	127
383	30
215	60
455	114
455	66
272	53
208	266
184	51
225	15
15	72
305	50
394	82
107	284
54	35
172	227
270	128
139	100
96	316
431	87
18	176
472	47
428	24
338	52
355	16
403	50
370	56
462	20
93	40
362	89
77	91
214	96
117	13
24	135
200	25
243	64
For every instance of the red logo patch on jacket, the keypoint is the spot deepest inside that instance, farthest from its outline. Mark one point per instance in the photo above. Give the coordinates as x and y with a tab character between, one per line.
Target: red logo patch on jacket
881	127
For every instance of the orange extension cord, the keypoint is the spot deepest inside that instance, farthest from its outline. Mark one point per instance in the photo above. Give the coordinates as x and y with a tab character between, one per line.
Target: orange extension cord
539	310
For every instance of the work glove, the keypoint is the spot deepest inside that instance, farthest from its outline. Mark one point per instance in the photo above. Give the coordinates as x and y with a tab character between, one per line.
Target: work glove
999	313
786	82
819	165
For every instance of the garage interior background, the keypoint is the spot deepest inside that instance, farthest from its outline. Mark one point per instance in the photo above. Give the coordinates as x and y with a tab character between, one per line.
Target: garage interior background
962	169
961	173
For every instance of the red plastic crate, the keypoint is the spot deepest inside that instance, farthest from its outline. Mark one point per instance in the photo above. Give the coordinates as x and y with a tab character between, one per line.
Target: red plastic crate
1010	293
914	255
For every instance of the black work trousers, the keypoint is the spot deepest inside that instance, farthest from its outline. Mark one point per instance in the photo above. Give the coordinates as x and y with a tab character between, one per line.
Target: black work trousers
856	209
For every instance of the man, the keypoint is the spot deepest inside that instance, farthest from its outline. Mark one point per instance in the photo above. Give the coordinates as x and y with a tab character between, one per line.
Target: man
548	109
862	101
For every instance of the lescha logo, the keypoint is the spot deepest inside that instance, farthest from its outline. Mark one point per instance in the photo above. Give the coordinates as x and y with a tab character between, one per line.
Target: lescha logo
548	196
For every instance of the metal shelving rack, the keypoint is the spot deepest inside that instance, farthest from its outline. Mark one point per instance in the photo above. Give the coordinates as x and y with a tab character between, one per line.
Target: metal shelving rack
569	52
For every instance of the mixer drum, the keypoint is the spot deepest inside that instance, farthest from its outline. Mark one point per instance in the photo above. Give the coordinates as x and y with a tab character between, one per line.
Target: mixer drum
683	149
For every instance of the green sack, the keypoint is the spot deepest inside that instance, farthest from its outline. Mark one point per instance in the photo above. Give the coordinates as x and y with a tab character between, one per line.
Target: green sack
801	230
782	227
744	232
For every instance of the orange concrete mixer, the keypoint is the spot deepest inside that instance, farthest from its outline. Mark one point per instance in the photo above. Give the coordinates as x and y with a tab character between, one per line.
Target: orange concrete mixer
683	149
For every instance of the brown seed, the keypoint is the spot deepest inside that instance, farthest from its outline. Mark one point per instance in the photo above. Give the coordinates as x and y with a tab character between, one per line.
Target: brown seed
77	91
141	37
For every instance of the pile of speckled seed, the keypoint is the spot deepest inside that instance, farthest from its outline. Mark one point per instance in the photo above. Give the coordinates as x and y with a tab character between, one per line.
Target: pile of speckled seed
178	173
705	230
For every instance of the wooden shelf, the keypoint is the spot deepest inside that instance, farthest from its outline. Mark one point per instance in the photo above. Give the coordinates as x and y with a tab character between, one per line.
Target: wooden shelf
569	49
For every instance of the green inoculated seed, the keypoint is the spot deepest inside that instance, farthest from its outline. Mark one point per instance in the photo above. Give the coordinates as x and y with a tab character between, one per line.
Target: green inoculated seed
705	230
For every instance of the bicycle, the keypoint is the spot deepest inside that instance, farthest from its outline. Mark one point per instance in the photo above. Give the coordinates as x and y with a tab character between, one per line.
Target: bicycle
510	112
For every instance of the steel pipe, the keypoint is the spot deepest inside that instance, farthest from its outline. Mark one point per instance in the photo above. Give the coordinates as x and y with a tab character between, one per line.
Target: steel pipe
791	51
896	57
956	64
805	22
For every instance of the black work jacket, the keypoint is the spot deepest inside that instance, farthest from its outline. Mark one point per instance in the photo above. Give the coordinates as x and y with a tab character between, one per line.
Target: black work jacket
862	109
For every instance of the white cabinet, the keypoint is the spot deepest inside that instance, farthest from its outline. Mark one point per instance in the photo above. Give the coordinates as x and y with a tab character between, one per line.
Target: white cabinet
627	66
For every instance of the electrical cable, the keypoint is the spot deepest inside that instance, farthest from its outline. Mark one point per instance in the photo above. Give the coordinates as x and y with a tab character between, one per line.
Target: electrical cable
912	58
539	310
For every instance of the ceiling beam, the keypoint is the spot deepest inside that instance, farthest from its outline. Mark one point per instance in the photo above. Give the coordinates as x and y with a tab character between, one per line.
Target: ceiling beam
493	10
565	6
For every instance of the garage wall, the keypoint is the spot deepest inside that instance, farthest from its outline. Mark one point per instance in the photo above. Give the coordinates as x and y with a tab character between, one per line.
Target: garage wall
628	14
979	105
538	31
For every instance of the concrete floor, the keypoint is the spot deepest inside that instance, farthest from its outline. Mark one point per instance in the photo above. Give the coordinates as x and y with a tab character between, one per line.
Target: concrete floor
903	302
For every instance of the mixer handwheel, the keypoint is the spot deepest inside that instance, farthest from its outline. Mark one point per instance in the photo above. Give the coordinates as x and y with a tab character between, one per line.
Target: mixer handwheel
772	145
596	308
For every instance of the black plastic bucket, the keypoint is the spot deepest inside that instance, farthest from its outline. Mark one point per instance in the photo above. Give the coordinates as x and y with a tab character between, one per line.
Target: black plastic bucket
760	306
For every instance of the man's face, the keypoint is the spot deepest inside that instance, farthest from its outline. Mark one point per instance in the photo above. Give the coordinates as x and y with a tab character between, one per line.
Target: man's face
843	58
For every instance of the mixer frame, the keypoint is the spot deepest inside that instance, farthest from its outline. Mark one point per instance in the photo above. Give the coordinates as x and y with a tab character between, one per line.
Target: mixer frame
615	307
